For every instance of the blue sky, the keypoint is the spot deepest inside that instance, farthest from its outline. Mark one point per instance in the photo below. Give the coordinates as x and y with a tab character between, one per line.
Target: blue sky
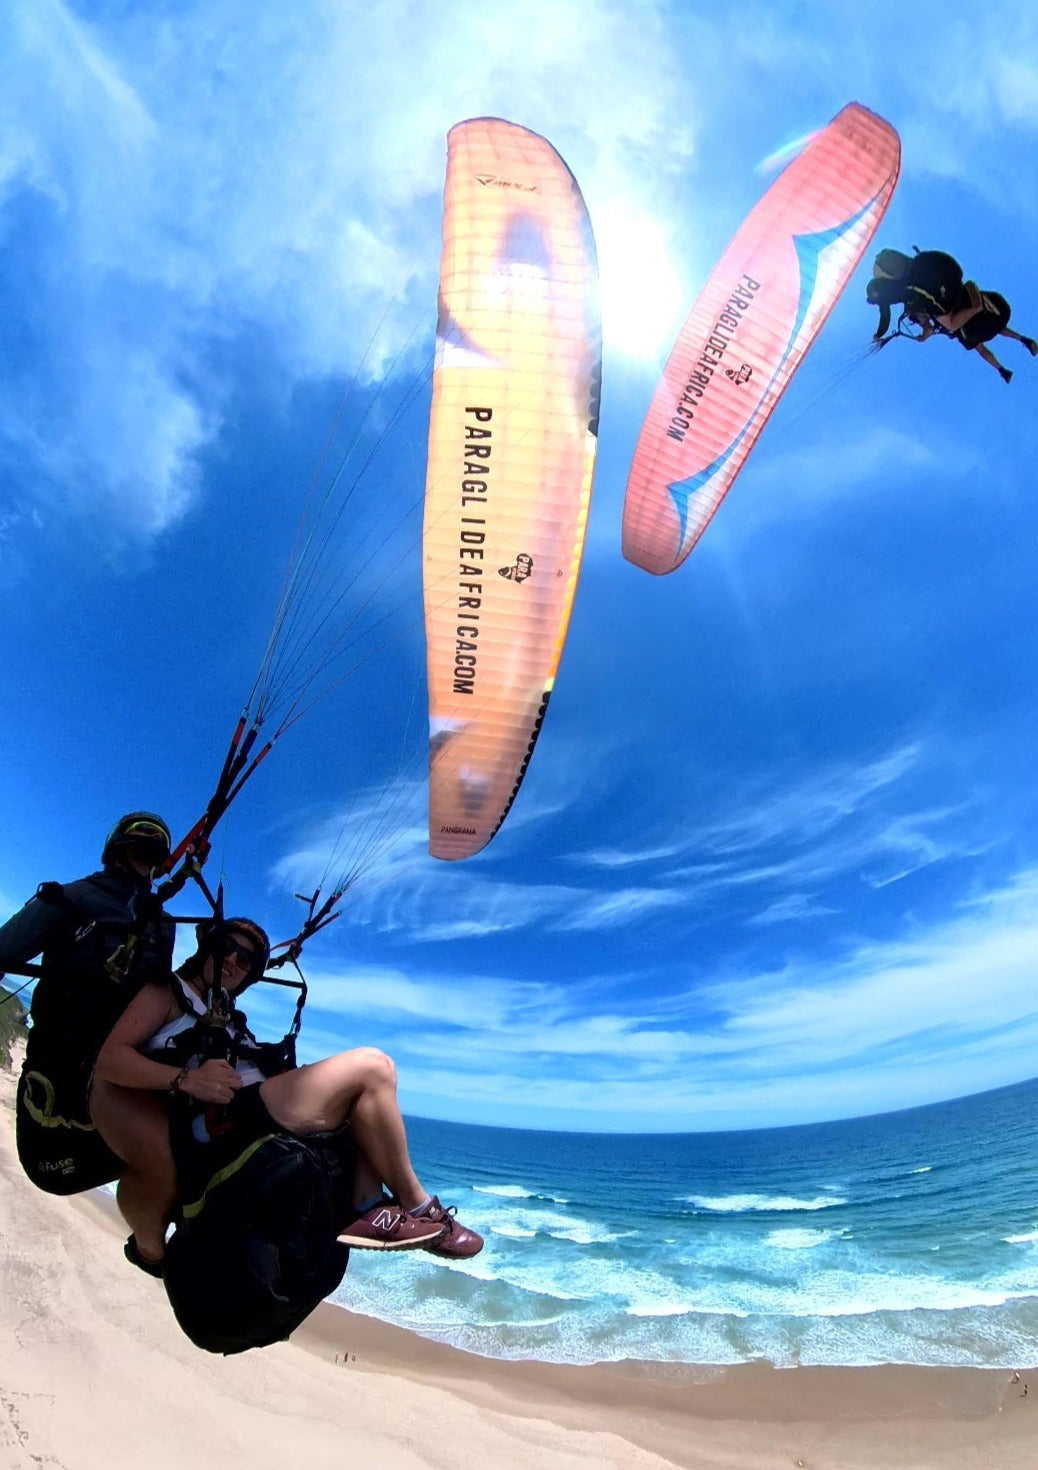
776	857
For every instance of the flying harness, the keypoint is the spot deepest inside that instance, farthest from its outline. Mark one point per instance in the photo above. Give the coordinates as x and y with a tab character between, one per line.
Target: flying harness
59	1148
255	1248
928	284
223	1031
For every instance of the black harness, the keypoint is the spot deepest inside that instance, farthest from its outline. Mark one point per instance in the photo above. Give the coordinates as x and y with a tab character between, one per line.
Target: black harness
223	1031
76	1003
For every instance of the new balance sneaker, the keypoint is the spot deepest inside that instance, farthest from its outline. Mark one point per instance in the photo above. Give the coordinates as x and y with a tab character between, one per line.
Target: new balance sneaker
388	1227
456	1241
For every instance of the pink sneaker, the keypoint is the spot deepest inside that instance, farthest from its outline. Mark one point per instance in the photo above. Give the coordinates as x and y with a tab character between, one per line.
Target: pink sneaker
388	1227
456	1240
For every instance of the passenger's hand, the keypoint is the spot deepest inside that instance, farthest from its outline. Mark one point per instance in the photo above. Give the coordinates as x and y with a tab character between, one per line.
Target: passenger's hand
215	1081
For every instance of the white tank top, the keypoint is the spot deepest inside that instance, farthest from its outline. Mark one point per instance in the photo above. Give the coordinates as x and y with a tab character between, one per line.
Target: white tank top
153	1047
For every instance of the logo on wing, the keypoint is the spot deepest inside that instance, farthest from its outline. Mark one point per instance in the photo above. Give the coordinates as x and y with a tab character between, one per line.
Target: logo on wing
519	570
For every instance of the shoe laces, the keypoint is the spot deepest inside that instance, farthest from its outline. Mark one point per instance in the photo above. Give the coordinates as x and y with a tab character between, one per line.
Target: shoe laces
442	1214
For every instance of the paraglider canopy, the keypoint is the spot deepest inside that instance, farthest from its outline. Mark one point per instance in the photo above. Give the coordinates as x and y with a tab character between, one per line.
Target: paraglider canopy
512	439
749	329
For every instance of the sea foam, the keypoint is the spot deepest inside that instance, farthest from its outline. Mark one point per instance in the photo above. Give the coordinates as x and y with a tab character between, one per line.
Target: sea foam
797	1240
740	1203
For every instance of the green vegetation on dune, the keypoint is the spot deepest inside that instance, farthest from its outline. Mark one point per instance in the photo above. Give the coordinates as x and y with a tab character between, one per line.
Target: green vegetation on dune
11	1029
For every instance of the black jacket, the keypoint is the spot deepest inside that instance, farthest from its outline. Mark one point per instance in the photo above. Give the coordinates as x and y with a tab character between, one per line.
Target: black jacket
77	928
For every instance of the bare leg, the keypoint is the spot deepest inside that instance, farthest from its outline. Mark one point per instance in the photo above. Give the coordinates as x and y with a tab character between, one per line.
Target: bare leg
366	1183
989	357
359	1085
1029	342
135	1125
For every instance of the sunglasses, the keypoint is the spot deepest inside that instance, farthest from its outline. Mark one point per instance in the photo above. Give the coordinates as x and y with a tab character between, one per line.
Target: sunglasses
242	953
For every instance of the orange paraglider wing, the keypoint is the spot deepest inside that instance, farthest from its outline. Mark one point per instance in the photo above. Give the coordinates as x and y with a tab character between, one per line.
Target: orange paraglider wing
747	333
512	438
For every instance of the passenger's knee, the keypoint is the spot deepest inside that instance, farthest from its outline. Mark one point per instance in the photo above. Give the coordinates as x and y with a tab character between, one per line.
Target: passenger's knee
378	1069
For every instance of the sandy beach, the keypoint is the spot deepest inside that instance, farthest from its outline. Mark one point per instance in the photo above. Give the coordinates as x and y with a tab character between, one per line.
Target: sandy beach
95	1373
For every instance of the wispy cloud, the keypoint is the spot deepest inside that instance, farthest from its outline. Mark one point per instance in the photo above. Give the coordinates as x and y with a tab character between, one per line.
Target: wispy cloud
380	840
794	907
616	858
803	1042
881	848
956	985
807	808
954	114
158	203
375	836
772	855
795	832
626	906
982	88
872	461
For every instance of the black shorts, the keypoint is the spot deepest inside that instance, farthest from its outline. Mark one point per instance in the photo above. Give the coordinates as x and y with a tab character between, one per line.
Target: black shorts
987	324
236	1131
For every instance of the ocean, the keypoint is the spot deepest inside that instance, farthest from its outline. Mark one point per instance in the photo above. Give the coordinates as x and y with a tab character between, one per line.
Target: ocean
907	1237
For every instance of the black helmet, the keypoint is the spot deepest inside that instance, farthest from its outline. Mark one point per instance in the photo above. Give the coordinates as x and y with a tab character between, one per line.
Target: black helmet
140	833
212	936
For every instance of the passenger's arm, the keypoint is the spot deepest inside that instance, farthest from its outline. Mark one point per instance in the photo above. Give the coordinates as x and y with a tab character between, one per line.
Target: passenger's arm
120	1061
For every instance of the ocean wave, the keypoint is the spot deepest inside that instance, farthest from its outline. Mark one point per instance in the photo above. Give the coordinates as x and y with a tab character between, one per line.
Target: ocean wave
895	1297
741	1203
696	1340
539	1278
679	1309
516	1191
658	1309
797	1240
832	1317
779	1280
925	1169
1029	1237
524	1224
581	1232
772	1290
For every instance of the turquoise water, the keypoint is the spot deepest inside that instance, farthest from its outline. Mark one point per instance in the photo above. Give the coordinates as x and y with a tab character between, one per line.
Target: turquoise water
907	1237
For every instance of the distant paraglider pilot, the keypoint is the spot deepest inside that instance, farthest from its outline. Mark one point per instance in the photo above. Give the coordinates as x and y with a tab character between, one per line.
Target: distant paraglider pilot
100	939
927	284
936	299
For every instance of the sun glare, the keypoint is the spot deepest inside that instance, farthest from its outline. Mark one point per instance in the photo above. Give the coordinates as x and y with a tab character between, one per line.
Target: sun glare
644	298
783	155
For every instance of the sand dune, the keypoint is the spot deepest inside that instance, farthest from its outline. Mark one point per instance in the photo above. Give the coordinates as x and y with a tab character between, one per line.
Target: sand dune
95	1375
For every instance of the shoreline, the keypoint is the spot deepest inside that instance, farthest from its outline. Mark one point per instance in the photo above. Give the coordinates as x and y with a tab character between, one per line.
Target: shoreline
88	1343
